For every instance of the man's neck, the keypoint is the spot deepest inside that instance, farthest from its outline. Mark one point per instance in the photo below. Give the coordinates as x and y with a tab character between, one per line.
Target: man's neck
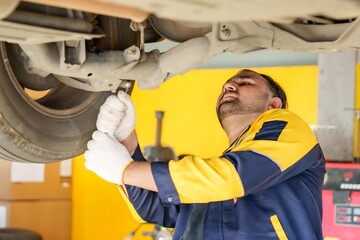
235	125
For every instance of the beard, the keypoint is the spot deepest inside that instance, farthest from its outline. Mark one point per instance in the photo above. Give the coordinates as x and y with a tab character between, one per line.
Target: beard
237	107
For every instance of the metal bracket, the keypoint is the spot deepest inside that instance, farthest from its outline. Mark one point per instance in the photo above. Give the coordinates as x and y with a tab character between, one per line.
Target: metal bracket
72	54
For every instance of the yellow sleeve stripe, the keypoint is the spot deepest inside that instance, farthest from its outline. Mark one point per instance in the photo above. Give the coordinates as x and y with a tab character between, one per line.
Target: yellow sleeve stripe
214	179
130	206
278	228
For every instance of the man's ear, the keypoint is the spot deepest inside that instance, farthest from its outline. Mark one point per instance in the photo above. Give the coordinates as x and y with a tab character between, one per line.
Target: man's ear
275	102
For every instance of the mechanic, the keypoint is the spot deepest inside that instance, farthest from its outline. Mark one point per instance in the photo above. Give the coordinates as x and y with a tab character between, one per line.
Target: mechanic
266	185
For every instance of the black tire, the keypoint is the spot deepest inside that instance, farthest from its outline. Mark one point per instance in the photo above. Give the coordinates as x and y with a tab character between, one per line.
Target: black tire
18	234
52	128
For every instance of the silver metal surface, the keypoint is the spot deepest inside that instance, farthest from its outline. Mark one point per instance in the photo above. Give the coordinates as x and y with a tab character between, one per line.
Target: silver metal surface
244	10
100	71
153	68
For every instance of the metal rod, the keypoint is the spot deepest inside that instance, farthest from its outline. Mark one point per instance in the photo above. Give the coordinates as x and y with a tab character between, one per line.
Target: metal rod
50	21
159	117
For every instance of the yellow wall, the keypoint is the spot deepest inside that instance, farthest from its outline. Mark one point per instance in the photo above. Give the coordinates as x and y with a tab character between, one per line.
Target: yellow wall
190	126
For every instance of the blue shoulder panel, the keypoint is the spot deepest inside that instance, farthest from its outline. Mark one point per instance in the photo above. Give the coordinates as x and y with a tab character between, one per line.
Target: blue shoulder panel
270	130
253	168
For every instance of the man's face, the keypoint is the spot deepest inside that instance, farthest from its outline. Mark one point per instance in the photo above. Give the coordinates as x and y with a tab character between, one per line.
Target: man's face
246	92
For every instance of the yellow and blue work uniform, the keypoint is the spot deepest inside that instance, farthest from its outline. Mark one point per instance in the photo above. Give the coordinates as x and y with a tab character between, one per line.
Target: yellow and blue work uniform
266	185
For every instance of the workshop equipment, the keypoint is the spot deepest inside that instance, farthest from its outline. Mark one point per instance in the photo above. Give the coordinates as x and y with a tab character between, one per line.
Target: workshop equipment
341	201
159	153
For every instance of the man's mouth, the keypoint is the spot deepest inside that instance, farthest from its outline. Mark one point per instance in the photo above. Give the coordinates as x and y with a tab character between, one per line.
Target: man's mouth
228	96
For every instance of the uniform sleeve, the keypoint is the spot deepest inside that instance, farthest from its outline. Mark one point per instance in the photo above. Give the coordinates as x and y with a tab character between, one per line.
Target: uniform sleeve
278	145
196	180
145	205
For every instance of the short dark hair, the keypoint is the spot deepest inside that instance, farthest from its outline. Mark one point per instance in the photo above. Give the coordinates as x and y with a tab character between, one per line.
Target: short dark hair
276	90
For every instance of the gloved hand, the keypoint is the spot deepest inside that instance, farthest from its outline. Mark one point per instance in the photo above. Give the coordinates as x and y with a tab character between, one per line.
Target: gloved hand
117	116
107	157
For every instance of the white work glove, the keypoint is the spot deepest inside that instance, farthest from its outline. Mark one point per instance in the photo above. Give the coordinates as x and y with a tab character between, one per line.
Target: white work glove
107	157
117	116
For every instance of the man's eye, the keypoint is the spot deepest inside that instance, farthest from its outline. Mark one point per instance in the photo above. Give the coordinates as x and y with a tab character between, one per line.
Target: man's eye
244	83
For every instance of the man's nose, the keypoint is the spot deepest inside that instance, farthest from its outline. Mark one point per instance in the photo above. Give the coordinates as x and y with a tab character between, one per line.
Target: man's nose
230	86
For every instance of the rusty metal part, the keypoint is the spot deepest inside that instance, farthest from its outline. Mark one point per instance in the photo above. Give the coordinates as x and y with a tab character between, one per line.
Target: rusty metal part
103	8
